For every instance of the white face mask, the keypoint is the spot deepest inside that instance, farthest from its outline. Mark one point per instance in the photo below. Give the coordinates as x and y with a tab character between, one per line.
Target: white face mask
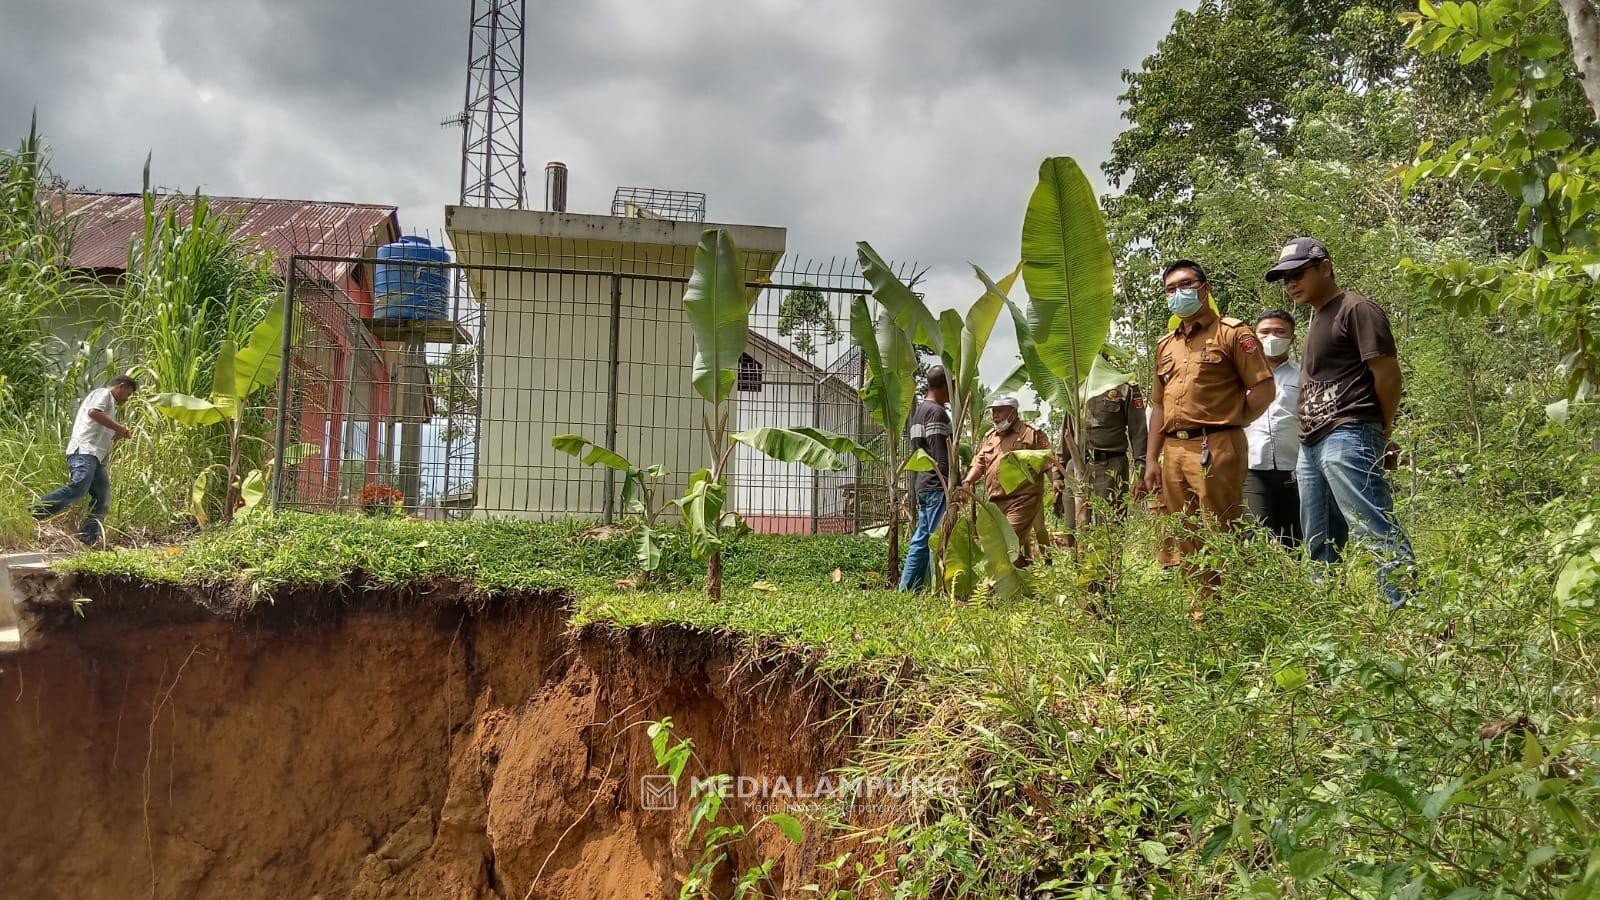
1004	426
1275	345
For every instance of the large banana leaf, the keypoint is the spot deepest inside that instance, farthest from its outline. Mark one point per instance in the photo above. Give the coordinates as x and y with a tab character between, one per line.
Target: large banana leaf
838	443
256	364
979	325
189	410
1022	465
814	449
891	366
950	326
999	545
719	315
1103	376
1015	381
961	559
902	303
1045	383
920	461
1066	265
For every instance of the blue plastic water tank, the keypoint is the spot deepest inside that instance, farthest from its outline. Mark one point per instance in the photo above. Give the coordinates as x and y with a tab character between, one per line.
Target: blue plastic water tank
404	290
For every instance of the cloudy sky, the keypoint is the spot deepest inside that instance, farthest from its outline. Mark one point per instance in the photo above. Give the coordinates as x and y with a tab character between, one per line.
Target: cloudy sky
915	124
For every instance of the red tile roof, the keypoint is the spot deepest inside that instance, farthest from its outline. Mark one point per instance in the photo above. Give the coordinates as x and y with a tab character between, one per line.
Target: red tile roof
107	223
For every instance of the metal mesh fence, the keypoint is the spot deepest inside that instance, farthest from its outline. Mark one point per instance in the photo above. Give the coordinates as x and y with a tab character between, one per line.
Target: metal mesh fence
448	407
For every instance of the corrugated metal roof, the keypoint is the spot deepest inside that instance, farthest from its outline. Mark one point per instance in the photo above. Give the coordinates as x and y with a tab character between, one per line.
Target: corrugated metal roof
107	223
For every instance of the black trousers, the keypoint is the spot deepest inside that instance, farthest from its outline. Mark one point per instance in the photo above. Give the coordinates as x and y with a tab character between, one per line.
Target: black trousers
1274	499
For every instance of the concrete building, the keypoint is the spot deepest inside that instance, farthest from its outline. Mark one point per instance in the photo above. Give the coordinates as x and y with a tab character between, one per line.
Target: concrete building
557	348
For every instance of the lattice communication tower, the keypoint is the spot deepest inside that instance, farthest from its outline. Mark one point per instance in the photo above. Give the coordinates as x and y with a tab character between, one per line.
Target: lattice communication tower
492	173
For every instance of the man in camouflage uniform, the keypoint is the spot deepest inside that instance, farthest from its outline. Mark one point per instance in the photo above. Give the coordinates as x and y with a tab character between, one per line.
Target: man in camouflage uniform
1114	431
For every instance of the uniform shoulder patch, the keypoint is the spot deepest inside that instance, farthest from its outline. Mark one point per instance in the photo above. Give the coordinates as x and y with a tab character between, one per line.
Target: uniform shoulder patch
1138	402
1248	343
1230	320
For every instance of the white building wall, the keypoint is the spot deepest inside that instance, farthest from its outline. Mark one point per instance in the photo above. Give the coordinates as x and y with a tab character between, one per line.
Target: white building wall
546	348
762	486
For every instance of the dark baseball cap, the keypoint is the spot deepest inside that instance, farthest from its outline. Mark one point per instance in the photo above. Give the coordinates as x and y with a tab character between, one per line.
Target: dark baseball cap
1297	254
1183	264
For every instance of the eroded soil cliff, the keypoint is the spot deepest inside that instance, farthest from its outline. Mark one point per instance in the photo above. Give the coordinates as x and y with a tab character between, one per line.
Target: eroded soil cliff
346	742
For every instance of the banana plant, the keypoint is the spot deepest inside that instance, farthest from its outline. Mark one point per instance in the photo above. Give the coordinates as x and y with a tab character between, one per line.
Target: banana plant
1067	268
240	373
889	390
641	488
717	304
971	549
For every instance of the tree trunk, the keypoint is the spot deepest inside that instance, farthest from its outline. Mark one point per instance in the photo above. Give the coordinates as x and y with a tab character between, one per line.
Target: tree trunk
1584	26
893	575
714	577
233	467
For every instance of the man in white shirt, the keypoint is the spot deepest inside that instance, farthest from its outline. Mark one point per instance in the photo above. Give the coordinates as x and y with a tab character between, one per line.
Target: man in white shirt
94	430
1270	491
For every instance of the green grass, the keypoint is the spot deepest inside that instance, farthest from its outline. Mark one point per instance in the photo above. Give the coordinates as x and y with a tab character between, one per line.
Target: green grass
1300	741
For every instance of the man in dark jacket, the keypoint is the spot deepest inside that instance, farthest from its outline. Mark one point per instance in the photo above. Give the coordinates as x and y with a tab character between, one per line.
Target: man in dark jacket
930	433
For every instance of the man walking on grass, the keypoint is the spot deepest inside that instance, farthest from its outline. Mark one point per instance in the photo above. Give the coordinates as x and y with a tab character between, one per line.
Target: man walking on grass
94	430
1349	392
930	433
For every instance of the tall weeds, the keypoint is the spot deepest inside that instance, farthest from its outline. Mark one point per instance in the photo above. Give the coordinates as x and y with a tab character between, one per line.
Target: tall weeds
36	285
190	284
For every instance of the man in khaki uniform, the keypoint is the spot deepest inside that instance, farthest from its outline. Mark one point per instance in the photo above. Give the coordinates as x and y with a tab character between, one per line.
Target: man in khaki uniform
1212	379
1114	432
1024	507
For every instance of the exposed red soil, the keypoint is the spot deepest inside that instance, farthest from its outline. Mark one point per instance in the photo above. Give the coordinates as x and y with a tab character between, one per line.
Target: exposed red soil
372	744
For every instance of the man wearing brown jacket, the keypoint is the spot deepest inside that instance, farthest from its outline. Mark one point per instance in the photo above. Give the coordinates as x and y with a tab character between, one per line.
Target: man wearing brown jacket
1212	379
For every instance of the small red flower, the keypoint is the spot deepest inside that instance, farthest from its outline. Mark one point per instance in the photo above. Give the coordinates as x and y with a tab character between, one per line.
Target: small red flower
379	495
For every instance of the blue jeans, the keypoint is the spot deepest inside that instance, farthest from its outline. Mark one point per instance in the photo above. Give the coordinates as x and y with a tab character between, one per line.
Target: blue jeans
1343	472
930	510
86	475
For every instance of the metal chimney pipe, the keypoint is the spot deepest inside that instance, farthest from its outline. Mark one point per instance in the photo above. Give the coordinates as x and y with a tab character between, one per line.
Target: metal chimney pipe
555	186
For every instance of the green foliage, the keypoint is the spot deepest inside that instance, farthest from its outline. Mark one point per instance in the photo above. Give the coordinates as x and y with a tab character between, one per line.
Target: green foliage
804	315
1020	466
36	285
1066	265
905	308
641	491
718	309
811	447
1530	152
239	375
719	838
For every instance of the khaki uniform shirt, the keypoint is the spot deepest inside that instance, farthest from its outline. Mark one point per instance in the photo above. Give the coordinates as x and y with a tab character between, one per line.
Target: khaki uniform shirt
997	444
1203	370
1113	422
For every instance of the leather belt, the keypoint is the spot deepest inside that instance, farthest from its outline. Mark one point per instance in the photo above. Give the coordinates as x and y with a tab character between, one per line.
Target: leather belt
1189	434
1103	455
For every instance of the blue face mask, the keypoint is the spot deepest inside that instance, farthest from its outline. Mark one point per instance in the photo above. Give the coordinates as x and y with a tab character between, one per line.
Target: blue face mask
1184	302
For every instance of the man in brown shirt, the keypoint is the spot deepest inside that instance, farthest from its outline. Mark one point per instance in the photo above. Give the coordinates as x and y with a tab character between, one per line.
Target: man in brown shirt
1212	379
1024	506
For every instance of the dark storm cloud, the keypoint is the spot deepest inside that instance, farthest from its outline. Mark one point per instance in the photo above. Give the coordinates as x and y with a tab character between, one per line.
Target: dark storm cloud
917	125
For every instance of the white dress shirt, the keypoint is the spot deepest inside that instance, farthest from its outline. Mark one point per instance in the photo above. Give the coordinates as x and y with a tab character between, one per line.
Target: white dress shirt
1274	436
89	436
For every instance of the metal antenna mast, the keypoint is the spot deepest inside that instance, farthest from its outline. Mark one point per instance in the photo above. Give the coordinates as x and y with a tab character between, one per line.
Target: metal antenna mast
492	173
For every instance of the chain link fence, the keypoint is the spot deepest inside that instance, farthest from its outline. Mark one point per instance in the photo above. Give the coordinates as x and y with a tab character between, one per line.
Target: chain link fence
447	408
